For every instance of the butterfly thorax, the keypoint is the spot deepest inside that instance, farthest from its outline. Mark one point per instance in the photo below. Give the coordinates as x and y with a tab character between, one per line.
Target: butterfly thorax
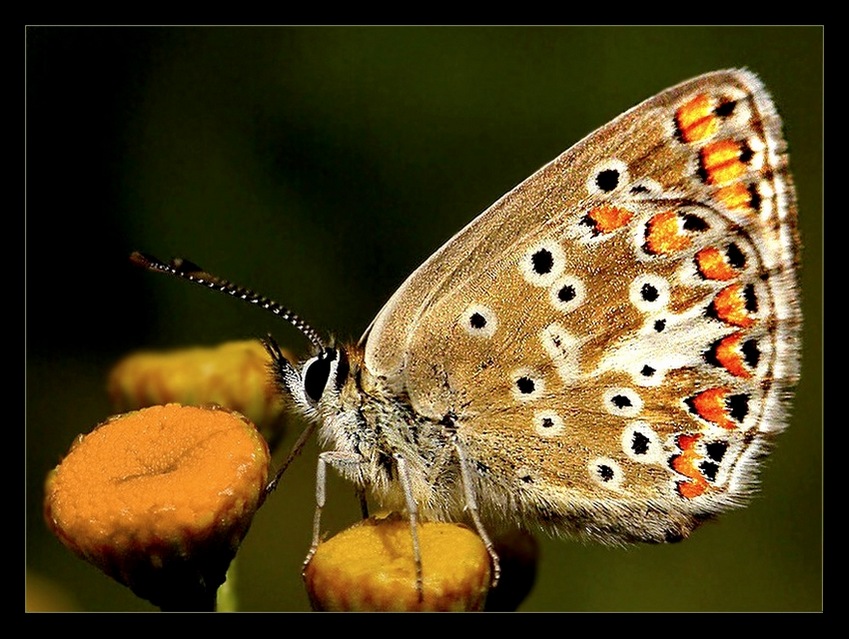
367	421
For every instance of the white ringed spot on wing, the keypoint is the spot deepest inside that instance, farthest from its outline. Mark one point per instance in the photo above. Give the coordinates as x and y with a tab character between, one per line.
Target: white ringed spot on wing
543	263
479	321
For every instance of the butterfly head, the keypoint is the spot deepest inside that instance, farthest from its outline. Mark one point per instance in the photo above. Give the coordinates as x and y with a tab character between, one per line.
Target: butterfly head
318	380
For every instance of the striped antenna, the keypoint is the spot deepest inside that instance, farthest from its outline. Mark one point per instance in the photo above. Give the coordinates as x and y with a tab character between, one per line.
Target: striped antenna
194	273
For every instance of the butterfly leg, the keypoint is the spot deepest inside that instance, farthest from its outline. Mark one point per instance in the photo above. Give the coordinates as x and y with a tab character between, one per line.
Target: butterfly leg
361	497
296	450
472	508
332	458
412	509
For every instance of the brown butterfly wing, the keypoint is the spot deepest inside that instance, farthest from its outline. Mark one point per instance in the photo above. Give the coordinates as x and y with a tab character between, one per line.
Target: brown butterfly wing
616	337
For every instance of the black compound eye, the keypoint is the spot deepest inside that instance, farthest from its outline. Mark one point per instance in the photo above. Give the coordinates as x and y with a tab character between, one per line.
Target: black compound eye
316	374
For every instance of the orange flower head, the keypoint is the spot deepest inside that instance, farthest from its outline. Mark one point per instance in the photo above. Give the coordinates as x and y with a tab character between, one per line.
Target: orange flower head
161	498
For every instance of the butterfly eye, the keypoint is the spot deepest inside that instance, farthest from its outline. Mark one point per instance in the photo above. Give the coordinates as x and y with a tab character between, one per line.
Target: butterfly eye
317	372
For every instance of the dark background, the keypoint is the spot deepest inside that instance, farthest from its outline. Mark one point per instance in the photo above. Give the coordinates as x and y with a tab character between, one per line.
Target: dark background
320	166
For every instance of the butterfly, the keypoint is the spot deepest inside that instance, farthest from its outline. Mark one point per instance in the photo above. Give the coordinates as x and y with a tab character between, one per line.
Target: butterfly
607	352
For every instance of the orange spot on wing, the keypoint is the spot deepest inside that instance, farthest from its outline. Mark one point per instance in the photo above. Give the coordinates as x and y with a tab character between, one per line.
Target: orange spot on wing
730	306
735	197
712	265
687	464
691	489
696	119
710	405
664	234
609	218
722	161
728	354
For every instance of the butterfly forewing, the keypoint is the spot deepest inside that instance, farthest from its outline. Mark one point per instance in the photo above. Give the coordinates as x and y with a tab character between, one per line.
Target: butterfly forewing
614	338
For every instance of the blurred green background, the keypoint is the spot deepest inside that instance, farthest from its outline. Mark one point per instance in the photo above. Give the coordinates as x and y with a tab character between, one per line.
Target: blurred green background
320	166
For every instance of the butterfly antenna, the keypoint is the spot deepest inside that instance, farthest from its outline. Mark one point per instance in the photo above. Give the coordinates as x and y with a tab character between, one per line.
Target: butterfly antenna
194	273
